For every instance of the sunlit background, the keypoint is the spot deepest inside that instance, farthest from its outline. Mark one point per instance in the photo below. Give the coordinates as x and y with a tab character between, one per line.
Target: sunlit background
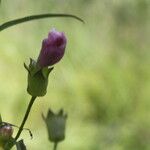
103	82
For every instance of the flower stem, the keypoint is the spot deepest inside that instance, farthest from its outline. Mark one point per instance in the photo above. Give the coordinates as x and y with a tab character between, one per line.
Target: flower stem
25	117
55	146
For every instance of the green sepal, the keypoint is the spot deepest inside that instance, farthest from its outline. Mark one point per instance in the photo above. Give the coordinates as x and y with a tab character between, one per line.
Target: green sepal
37	79
46	71
56	124
20	145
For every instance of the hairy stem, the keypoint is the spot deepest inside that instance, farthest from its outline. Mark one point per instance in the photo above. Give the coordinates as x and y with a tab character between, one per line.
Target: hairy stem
25	117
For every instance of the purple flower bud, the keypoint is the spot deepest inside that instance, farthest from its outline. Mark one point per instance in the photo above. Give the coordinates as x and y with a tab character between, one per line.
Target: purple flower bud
53	49
6	131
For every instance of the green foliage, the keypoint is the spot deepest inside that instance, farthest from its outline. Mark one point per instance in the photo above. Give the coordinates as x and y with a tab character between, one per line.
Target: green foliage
35	17
103	81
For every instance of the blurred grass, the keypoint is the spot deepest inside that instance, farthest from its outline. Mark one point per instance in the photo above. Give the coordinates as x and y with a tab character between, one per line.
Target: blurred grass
103	82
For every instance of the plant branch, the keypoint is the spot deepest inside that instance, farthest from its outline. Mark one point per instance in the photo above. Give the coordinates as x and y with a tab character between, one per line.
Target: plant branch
25	117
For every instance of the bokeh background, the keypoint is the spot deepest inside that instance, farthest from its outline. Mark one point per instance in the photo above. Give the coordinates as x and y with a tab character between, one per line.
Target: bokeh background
103	82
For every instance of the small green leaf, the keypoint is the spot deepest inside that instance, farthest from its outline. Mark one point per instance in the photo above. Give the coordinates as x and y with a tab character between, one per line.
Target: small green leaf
20	145
35	17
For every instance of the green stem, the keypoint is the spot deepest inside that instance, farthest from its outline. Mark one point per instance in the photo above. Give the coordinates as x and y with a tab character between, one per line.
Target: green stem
55	146
25	117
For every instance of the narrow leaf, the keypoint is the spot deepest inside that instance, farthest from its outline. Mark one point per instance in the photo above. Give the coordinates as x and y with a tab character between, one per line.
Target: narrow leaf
35	17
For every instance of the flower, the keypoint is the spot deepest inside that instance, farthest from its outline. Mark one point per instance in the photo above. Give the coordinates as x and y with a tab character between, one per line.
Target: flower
56	124
53	49
6	131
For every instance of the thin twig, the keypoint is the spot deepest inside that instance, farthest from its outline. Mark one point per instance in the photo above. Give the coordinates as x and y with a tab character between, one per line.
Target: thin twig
25	117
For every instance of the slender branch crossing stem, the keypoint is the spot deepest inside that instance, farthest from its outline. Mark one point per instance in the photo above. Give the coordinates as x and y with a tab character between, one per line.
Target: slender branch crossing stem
55	146
25	117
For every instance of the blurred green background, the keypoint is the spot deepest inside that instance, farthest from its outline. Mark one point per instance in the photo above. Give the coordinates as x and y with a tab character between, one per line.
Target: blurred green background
103	82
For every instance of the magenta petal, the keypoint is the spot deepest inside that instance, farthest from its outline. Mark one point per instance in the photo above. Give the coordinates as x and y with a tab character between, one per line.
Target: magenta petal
53	49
